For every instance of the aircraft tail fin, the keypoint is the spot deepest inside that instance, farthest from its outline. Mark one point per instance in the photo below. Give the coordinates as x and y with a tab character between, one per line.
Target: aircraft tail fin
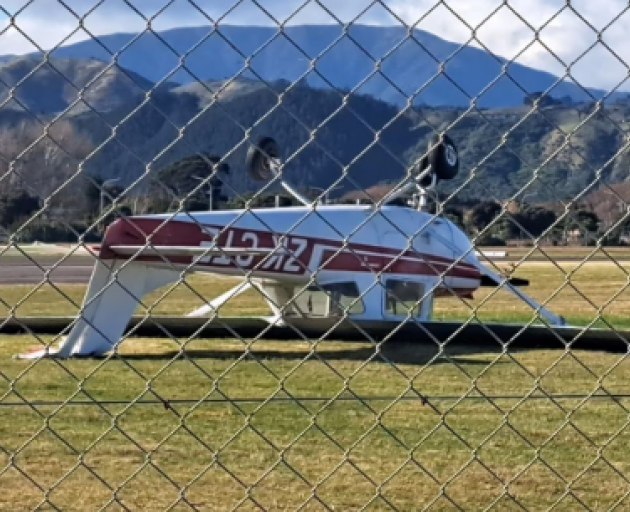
114	293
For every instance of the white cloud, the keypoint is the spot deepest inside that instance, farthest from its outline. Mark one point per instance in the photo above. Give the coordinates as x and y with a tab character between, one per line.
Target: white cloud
546	34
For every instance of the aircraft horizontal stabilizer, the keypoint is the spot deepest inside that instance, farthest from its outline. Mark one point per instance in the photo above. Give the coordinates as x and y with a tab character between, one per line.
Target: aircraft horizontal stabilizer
487	281
194	250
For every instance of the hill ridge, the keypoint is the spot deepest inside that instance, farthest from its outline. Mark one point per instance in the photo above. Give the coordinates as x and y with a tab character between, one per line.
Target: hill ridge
345	65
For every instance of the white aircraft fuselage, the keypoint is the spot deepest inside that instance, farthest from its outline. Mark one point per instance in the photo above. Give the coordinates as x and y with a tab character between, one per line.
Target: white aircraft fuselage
277	251
312	261
321	243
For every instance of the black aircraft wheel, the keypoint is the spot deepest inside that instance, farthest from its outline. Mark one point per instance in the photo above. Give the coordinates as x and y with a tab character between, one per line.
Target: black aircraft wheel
259	159
443	157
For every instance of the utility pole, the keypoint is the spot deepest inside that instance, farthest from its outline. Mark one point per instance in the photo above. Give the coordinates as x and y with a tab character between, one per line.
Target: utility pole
104	185
209	192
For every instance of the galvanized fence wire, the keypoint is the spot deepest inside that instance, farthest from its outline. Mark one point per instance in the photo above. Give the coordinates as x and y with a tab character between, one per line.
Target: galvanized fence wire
317	407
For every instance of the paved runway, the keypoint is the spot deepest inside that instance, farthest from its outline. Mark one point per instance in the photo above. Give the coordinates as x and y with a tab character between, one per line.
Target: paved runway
77	269
22	270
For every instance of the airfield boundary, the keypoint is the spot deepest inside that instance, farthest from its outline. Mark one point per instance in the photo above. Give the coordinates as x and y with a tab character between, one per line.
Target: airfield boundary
485	408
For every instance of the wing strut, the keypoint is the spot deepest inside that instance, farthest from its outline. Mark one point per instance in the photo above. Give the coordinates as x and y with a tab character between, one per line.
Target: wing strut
504	282
221	299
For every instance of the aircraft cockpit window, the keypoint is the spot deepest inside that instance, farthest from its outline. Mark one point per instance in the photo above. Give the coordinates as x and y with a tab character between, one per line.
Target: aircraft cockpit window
402	298
333	299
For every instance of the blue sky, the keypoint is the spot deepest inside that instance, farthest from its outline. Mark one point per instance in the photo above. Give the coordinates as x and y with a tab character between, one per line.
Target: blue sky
563	36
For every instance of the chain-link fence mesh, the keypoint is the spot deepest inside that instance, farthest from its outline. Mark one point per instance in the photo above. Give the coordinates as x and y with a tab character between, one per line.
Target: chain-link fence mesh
310	263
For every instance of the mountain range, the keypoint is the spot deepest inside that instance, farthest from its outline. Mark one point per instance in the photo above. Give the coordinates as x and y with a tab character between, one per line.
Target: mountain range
121	133
116	129
409	66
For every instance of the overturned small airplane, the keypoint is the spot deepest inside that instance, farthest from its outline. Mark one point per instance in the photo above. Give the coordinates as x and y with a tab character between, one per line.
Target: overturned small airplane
364	262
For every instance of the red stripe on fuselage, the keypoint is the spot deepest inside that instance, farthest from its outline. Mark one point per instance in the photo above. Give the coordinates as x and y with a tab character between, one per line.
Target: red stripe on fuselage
302	250
356	261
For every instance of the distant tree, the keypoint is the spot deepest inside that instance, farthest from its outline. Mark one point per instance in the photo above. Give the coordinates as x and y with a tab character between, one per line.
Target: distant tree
17	206
482	215
92	193
44	161
584	222
535	220
489	240
455	215
181	177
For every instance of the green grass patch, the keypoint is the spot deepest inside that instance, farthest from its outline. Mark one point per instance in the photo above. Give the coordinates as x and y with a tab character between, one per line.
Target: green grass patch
229	424
94	427
594	293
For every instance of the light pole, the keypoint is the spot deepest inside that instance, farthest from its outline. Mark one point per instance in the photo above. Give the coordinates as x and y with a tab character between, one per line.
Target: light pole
104	185
210	194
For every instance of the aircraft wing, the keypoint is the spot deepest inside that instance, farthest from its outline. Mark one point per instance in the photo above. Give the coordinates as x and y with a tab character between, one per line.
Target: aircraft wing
184	250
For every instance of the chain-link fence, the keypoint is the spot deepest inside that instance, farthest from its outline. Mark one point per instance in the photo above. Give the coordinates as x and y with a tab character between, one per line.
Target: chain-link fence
321	259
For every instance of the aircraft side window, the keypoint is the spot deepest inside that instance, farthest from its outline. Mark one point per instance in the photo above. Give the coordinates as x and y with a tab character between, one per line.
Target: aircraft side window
344	299
402	298
334	299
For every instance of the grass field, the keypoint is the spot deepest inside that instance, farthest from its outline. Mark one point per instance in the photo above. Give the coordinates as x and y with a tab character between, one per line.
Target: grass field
582	293
338	453
150	430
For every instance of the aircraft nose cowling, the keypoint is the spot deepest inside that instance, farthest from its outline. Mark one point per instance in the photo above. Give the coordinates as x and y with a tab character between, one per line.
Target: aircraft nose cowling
465	250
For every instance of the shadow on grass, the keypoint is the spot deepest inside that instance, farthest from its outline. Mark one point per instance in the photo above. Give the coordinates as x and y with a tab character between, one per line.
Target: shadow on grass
396	353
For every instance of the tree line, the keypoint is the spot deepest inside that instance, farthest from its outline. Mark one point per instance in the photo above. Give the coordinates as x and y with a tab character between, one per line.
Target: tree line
68	215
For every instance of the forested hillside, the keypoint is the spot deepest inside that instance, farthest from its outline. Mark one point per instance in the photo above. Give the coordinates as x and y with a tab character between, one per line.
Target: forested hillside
557	150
